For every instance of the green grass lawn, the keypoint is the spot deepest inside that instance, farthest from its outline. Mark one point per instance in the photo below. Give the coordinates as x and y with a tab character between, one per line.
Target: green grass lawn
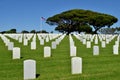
106	66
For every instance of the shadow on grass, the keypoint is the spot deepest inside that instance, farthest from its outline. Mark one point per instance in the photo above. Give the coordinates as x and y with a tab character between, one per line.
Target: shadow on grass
21	57
37	75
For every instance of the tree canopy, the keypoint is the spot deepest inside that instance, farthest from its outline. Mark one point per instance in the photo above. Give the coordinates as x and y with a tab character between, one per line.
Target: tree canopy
72	20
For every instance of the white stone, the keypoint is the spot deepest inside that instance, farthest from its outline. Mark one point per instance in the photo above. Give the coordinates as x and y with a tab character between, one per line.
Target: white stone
88	44
116	42
76	65
84	41
16	53
47	39
95	50
115	50
42	42
29	69
96	40
54	45
10	45
20	39
72	51
25	42
47	51
57	41
103	44
107	41
33	45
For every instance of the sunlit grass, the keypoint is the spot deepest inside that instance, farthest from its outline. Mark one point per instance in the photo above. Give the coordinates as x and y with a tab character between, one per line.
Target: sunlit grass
106	66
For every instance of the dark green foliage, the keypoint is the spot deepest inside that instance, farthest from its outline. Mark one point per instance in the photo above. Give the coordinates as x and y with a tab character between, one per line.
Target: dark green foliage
10	31
70	20
84	28
24	31
42	31
32	31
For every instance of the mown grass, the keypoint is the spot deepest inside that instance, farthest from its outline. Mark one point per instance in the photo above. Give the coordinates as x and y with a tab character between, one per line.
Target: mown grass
106	66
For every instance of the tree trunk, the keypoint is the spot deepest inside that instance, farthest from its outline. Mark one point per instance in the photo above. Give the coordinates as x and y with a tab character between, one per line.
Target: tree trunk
68	33
95	32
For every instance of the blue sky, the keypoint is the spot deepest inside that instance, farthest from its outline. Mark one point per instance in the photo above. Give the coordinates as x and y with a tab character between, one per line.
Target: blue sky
26	14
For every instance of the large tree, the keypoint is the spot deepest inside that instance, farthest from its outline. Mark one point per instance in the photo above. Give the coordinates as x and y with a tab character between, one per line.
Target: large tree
70	20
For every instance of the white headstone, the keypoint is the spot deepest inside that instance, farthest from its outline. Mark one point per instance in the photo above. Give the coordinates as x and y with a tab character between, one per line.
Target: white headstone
47	51
103	45
84	41
88	44
47	39
96	40
20	39
10	45
72	51
29	69
25	42
107	41
57	41
76	65
54	45
33	45
115	50
95	50
117	43
42	42
16	53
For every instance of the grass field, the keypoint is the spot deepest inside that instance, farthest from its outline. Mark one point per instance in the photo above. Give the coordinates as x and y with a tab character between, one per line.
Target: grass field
106	66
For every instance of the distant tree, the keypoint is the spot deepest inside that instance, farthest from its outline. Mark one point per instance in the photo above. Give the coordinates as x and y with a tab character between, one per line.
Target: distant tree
32	31
118	28
24	31
51	32
68	21
11	31
107	30
3	32
43	31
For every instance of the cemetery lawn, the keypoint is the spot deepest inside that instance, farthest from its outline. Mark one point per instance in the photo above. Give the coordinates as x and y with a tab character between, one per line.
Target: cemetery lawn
106	66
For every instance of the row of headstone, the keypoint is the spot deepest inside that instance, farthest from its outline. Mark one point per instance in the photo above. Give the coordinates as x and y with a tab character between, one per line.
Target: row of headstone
88	44
57	41
7	42
95	38
20	37
73	48
116	46
45	38
104	39
76	62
